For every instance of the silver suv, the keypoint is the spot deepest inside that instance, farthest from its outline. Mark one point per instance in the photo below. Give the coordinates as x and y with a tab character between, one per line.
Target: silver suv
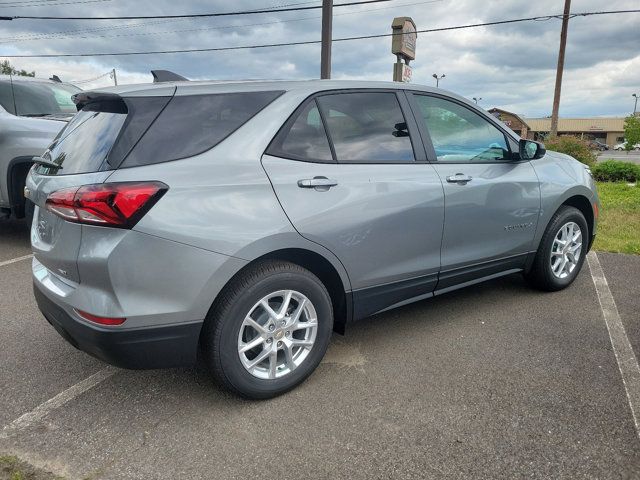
32	112
243	222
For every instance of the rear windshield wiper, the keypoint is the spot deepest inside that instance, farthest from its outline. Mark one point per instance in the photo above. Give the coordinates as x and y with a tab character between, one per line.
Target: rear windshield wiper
36	114
45	163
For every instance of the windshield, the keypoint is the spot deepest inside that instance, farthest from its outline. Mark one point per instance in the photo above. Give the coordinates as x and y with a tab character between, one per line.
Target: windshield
35	99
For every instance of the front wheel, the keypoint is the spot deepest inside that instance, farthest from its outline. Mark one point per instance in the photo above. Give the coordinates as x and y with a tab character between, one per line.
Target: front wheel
269	330
561	252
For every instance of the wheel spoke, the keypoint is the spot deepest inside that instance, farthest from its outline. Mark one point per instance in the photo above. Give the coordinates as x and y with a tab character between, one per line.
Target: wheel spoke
557	268
259	359
255	325
273	363
301	343
244	347
288	357
304	325
285	303
267	308
298	312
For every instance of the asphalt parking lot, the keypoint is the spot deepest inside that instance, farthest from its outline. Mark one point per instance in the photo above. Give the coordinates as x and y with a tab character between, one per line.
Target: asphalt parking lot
495	381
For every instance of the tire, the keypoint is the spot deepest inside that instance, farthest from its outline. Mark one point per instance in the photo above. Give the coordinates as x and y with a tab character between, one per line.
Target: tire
226	329
542	274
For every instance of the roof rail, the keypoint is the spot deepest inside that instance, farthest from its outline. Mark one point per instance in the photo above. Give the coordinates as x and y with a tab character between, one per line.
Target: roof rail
166	76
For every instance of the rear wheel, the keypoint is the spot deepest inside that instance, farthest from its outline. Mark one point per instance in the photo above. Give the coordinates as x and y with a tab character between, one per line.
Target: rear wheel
562	250
269	330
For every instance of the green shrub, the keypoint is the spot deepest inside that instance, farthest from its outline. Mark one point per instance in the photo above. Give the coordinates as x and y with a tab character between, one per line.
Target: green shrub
615	171
577	148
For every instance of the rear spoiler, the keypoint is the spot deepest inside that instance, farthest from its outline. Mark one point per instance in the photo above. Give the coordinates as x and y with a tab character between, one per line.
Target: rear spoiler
167	76
83	98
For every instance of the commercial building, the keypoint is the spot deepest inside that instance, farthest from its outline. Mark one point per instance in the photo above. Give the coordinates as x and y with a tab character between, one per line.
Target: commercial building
608	130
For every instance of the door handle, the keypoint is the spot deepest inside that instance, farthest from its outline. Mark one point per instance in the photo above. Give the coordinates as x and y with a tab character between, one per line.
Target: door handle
460	178
319	183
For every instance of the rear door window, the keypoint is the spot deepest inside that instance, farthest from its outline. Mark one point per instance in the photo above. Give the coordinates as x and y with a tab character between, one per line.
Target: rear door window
303	138
367	127
193	124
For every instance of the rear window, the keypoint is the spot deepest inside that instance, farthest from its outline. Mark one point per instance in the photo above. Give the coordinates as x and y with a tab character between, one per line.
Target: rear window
84	144
193	124
129	132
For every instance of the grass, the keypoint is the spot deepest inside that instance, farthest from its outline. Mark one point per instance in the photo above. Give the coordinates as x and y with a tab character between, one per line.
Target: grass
12	468
619	223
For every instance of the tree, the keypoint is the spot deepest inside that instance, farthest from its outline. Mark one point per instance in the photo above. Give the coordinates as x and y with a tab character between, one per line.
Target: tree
7	69
631	132
573	146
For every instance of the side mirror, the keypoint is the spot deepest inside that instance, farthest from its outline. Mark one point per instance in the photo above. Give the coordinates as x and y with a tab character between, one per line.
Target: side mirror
531	150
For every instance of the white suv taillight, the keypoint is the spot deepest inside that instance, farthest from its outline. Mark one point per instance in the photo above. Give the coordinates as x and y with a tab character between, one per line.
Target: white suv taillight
119	205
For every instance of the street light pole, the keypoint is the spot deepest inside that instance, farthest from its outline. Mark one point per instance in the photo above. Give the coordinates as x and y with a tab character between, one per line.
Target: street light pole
477	99
563	44
635	105
438	78
325	53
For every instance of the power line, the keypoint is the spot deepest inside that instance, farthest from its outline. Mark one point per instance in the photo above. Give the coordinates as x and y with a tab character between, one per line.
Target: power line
192	15
51	3
89	80
68	34
311	42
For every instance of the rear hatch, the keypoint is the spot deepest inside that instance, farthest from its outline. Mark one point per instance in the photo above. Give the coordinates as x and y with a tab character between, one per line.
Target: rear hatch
85	152
120	131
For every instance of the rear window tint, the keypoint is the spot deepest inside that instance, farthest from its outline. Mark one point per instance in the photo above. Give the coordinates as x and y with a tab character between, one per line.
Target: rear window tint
193	124
84	144
303	138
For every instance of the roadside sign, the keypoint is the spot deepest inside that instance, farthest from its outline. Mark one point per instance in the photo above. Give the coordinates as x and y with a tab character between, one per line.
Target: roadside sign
404	44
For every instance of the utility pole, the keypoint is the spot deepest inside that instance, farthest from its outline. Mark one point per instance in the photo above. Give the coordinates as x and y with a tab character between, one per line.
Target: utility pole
113	75
325	53
563	44
635	105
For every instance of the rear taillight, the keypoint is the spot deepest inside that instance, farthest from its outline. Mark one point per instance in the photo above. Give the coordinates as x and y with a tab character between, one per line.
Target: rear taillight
119	205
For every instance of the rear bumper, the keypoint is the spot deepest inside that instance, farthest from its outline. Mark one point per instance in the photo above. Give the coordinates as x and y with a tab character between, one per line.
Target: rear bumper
141	348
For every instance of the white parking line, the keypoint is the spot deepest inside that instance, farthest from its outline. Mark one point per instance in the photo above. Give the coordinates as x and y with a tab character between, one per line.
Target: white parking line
14	260
627	361
58	401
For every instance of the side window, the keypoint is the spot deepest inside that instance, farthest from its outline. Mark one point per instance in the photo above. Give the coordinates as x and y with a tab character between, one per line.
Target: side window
192	124
367	127
304	139
459	134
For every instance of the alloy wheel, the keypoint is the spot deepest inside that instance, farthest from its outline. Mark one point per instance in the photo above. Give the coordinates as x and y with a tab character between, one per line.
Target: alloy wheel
566	250
277	334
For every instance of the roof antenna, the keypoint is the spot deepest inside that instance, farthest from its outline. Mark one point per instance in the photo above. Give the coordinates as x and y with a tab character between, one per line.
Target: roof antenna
167	76
55	78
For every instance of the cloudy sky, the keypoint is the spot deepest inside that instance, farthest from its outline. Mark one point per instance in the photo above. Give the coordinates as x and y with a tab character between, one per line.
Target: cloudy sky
509	66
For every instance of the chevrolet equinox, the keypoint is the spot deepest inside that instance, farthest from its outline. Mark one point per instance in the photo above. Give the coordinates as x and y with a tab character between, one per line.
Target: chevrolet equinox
242	223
